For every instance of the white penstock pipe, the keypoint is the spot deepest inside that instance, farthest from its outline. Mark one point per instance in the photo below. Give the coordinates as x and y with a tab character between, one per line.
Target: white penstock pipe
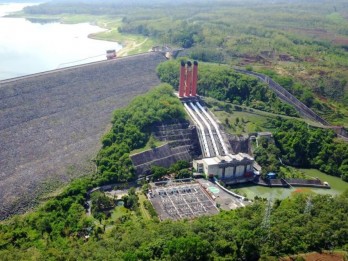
208	126
215	126
200	126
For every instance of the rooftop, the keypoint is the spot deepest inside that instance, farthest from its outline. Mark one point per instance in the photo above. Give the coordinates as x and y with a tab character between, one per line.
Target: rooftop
229	158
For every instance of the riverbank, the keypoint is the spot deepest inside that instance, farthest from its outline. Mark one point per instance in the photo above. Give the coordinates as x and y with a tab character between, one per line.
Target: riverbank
131	43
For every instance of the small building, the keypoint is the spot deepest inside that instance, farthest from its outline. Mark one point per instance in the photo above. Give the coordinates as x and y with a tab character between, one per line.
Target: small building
110	54
266	135
229	167
271	175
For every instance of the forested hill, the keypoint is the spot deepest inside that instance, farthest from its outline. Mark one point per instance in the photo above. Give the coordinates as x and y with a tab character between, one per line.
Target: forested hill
295	225
303	42
298	144
62	229
131	130
223	83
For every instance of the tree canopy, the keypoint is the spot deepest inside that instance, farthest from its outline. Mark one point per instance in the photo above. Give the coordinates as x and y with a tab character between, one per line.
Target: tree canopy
131	130
223	83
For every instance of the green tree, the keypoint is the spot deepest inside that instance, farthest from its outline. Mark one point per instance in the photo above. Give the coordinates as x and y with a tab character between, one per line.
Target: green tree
152	142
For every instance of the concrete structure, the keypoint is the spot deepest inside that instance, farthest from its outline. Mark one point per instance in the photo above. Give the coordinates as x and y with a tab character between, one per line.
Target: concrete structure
182	79
271	175
194	78
179	201
110	54
217	160
188	79
236	167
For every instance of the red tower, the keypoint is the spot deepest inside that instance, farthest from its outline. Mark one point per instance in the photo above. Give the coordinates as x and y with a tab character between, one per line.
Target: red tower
188	79
194	78
182	79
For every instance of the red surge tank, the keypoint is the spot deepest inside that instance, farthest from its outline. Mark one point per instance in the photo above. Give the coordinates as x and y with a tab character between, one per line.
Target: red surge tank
182	79
188	79
194	78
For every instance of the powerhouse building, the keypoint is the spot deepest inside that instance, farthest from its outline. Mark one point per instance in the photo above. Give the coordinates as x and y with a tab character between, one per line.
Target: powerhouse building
231	167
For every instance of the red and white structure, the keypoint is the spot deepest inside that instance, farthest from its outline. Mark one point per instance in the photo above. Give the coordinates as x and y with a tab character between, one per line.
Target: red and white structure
188	79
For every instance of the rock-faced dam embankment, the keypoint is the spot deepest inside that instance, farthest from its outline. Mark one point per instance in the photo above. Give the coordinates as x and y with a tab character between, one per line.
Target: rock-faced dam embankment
51	123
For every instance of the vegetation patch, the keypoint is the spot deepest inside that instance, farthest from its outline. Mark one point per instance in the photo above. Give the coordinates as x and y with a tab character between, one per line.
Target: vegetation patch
307	43
297	144
224	84
131	130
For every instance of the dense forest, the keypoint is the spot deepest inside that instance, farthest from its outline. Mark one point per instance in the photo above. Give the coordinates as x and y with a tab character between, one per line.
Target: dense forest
223	83
306	41
61	229
131	130
295	225
299	145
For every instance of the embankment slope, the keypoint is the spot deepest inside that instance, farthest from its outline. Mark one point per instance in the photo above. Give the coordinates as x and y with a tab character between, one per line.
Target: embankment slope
51	123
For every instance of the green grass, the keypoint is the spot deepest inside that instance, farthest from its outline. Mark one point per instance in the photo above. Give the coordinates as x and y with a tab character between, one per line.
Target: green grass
291	172
132	44
120	211
144	213
340	114
250	120
83	18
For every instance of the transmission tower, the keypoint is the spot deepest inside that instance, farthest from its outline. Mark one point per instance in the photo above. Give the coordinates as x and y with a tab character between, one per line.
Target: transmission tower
266	224
308	206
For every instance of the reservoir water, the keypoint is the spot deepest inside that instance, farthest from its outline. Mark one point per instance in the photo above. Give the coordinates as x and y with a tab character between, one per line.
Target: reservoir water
337	187
27	47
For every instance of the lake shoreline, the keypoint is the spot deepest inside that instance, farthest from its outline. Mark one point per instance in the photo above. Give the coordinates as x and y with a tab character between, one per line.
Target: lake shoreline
41	44
131	44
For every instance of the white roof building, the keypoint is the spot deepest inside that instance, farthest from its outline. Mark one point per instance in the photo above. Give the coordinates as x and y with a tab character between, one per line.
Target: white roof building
233	167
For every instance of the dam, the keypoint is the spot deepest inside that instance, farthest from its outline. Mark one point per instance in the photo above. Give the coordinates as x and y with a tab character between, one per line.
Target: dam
51	123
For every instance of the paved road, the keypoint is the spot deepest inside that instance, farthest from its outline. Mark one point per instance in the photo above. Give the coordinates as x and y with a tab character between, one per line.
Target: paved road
225	200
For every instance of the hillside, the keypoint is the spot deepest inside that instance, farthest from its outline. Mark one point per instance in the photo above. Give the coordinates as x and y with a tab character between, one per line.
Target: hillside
51	124
64	229
301	44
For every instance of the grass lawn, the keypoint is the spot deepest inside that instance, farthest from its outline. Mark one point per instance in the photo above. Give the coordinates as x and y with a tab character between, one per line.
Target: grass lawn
249	119
132	44
145	214
120	211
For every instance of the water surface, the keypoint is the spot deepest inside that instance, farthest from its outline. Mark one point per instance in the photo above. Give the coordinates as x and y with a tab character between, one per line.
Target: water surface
337	187
27	47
